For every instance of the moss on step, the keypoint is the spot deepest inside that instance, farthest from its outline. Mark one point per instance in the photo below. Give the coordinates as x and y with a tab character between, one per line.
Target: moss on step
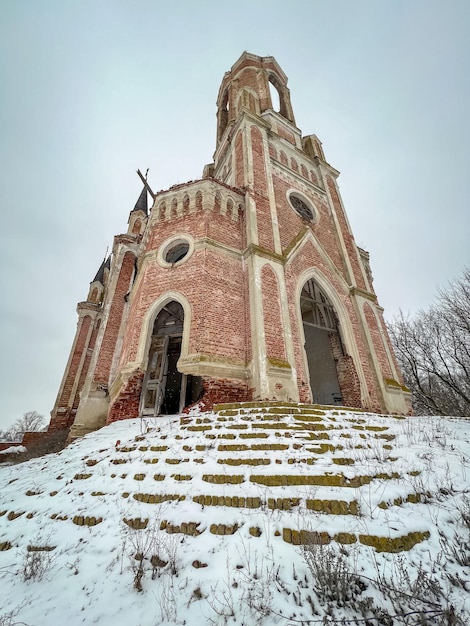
244	461
333	507
223	529
277	425
317	436
232	501
309	418
394	544
186	528
305	537
86	520
223	479
150	498
325	480
284	504
308	461
412	498
12	515
232	447
136	523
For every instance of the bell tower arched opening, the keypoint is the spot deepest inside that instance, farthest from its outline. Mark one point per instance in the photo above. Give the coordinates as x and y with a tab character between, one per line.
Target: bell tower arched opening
323	345
222	115
165	389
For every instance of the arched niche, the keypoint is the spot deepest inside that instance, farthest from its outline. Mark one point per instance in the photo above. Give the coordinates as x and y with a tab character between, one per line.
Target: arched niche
280	100
323	344
166	390
222	114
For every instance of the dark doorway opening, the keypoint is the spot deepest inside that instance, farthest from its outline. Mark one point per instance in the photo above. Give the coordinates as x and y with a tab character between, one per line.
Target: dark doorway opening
323	345
165	389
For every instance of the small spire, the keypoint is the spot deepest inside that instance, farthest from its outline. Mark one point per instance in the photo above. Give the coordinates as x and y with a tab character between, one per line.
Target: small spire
100	273
142	204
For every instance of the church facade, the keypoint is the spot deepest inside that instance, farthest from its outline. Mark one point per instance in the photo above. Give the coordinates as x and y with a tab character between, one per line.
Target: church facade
246	284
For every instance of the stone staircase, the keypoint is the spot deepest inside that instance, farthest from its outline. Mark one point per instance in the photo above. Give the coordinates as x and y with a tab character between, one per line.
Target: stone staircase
303	473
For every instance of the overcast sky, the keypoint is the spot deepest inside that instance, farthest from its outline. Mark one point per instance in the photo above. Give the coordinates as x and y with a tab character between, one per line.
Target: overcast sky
91	90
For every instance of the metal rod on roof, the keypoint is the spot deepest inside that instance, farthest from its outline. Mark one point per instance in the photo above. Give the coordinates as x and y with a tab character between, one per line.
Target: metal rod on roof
144	180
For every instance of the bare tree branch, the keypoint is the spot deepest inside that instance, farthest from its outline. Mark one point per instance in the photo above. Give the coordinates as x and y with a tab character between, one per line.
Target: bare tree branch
433	349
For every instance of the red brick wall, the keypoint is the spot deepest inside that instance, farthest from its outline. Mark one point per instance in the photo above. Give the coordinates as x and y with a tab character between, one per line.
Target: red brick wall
286	134
309	257
113	323
273	327
214	285
290	224
33	437
126	405
260	191
347	236
199	224
399	376
217	391
80	345
4	445
86	366
347	375
377	341
239	165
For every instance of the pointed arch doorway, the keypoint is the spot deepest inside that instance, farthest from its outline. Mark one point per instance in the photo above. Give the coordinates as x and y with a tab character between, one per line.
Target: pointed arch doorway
323	346
165	389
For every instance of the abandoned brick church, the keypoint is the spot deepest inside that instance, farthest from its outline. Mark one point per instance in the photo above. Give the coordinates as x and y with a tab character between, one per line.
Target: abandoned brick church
245	284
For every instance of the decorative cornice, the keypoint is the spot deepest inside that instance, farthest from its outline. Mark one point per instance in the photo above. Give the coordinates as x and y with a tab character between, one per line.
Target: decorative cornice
355	291
88	307
267	254
287	174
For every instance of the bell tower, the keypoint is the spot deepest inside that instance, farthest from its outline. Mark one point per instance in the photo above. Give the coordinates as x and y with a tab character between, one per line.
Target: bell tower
322	339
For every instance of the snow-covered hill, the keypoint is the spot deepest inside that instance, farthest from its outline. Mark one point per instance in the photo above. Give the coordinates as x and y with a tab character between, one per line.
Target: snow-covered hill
255	514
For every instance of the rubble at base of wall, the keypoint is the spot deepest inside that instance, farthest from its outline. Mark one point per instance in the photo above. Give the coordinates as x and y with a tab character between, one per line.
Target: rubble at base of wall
218	390
126	405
